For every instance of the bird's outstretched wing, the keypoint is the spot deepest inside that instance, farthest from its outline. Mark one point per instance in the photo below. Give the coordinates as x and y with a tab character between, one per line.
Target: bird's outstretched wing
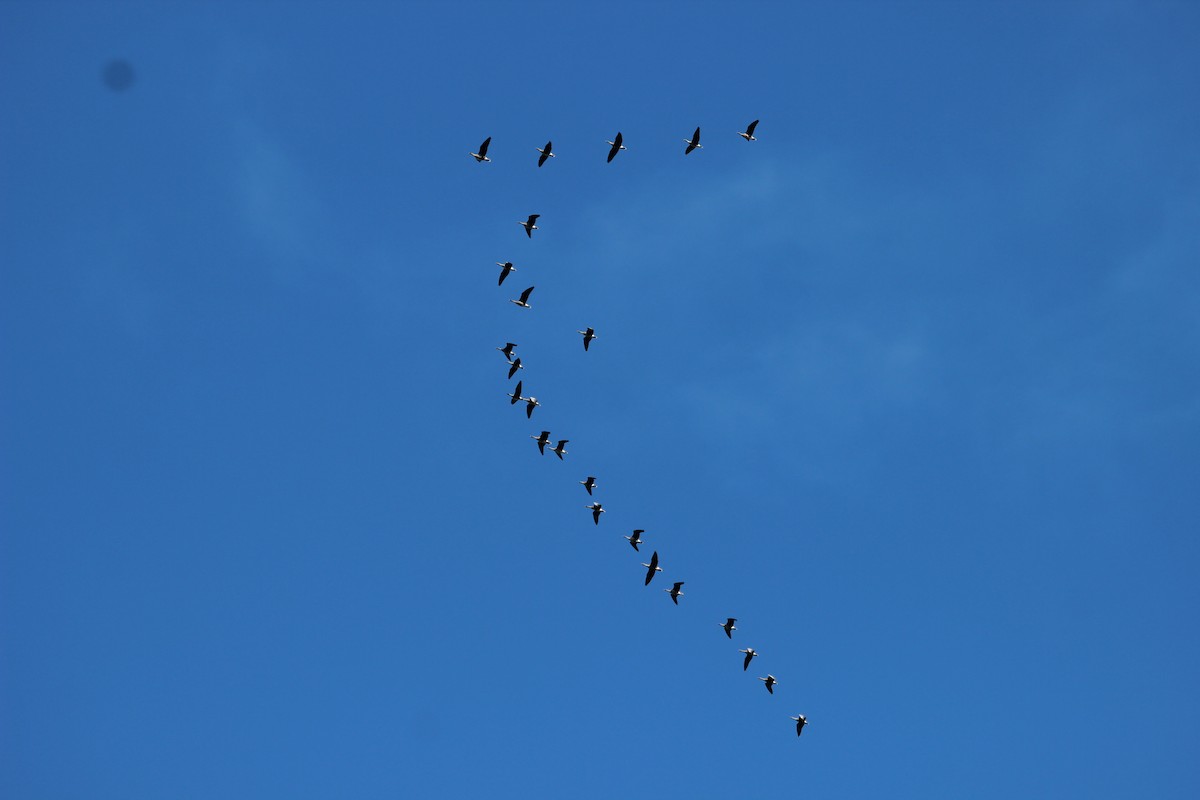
483	147
525	294
746	663
750	128
542	158
529	411
516	395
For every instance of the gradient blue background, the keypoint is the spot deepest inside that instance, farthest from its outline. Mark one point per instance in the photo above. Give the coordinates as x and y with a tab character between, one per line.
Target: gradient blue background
910	386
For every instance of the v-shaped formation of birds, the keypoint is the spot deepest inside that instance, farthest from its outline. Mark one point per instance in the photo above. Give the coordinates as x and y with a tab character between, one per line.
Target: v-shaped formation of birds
616	145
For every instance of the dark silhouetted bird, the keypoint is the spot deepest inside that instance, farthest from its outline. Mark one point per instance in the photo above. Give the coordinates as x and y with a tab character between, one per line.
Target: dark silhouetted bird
674	592
693	143
729	626
616	147
652	568
588	335
542	440
482	154
636	538
748	135
597	510
529	225
545	153
770	682
505	268
524	301
507	350
801	721
750	653
558	449
589	484
513	366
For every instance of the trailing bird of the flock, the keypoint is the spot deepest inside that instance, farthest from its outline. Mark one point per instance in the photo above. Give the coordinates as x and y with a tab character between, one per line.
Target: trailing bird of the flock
616	145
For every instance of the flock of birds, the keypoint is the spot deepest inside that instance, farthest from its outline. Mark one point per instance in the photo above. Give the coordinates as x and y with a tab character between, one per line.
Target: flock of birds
616	145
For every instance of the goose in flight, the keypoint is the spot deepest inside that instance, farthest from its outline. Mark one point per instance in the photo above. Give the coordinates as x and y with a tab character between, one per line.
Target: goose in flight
505	268
588	335
616	147
513	366
524	301
507	350
750	653
748	134
770	682
542	440
546	152
530	402
597	510
558	449
529	225
729	626
482	154
652	568
801	721
674	592
693	143
589	484
636	538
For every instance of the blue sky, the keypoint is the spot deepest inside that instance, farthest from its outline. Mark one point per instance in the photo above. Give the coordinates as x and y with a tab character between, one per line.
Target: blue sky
910	386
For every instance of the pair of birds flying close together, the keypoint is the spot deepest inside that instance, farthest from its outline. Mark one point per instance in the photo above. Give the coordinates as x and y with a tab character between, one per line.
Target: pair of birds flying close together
616	145
544	438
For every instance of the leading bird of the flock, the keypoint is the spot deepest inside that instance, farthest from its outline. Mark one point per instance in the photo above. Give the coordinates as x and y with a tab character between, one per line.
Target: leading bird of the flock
541	440
801	721
748	134
588	335
546	152
674	592
507	350
505	268
616	147
636	538
729	626
589	484
770	682
558	449
524	301
482	154
693	143
652	568
513	366
530	224
597	510
750	654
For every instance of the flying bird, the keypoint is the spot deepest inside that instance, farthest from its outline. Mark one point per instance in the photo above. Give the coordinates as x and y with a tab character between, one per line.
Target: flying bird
770	682
729	626
597	510
530	402
748	135
652	568
513	366
588	335
636	538
524	301
542	440
482	154
801	721
507	350
750	653
545	153
674	592
693	143
616	147
505	268
529	225
589	484
558	449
